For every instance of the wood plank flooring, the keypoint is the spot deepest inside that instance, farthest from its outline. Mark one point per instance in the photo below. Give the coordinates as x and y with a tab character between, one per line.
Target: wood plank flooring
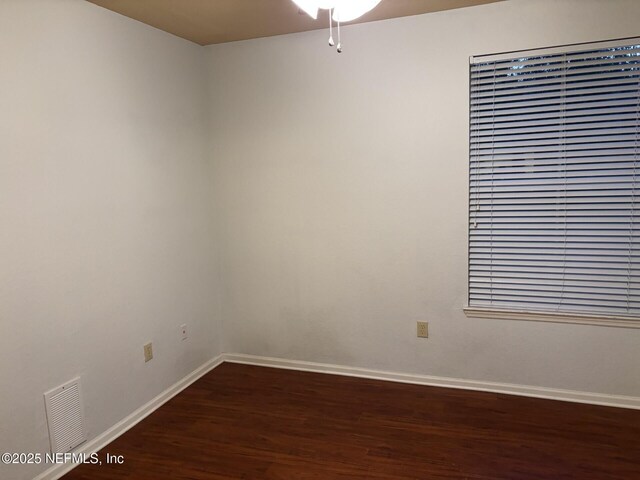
246	422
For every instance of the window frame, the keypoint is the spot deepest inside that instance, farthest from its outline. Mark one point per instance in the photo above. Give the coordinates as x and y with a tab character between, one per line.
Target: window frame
500	313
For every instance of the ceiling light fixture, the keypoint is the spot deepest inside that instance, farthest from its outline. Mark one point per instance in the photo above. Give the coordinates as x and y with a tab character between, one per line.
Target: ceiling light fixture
339	11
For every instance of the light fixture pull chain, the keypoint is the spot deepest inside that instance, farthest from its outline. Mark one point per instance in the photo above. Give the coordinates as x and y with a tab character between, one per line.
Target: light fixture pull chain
339	42
331	42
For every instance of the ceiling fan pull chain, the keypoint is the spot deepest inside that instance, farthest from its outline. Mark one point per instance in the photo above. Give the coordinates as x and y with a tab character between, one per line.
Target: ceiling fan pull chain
331	42
339	42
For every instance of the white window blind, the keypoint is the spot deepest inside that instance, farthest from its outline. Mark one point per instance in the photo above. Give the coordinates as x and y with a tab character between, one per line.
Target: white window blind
554	206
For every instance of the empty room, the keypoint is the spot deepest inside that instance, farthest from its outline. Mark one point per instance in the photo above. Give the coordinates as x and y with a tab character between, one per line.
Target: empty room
320	239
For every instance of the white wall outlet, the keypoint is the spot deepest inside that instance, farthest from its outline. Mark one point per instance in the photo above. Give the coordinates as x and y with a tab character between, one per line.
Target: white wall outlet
423	329
148	352
183	329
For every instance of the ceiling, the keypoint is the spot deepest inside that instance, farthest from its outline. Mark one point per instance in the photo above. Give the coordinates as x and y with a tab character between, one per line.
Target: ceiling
218	21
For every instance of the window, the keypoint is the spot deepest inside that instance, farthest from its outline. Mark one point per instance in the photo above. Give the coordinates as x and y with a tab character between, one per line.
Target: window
554	193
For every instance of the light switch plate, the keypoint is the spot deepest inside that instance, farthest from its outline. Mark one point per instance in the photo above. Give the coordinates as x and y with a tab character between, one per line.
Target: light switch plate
148	352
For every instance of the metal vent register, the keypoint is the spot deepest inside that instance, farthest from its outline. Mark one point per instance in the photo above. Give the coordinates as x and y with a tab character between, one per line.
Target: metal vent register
65	416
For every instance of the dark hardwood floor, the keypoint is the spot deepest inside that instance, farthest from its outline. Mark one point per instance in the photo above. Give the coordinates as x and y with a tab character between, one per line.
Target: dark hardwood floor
245	422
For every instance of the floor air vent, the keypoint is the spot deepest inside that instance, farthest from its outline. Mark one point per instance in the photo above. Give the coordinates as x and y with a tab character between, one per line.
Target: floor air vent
65	416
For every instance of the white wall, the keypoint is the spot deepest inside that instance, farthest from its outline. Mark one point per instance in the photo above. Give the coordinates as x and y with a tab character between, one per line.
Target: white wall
105	225
341	192
339	201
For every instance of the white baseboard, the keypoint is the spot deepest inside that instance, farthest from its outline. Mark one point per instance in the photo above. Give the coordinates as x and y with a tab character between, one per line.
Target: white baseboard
506	388
126	423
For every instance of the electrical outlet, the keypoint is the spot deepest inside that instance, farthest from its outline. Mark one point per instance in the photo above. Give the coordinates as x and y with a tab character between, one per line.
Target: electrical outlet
148	352
423	329
183	329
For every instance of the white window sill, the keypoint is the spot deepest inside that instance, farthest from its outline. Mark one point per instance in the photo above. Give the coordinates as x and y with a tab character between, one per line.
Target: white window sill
564	317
